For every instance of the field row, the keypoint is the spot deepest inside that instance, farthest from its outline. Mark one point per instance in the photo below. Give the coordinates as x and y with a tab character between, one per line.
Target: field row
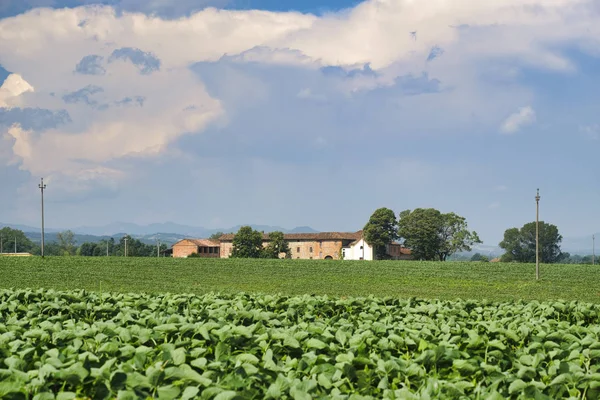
132	346
443	280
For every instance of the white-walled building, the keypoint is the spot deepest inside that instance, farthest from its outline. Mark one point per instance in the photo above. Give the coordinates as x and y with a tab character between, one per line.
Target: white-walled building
358	250
361	250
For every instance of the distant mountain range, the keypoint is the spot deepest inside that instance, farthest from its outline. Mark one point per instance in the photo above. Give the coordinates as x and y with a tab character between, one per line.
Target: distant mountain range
168	232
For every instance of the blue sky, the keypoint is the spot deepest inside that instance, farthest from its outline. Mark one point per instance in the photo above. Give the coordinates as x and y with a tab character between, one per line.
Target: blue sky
300	113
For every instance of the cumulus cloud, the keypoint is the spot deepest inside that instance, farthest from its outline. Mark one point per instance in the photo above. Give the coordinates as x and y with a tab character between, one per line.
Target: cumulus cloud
11	89
126	83
523	117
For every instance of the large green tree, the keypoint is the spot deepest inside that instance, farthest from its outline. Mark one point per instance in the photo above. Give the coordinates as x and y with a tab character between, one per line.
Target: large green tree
216	235
8	236
519	244
432	235
276	246
66	242
381	230
247	243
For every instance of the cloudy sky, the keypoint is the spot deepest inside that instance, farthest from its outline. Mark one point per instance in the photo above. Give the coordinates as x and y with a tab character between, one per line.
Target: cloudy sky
225	112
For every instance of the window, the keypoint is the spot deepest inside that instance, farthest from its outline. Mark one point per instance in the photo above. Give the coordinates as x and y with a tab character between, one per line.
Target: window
361	247
297	249
310	250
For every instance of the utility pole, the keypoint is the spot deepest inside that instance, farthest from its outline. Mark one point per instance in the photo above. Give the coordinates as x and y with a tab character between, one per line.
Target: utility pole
42	187
107	248
15	245
158	248
537	235
125	246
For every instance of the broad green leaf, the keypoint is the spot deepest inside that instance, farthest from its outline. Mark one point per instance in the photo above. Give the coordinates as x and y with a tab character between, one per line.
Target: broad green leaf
66	396
190	392
517	386
226	395
247	358
168	392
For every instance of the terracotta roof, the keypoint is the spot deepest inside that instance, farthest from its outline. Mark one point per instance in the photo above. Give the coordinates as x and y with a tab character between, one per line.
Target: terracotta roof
306	236
201	242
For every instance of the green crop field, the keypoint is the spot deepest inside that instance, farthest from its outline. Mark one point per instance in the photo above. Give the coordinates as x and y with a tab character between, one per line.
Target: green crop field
130	328
78	344
403	279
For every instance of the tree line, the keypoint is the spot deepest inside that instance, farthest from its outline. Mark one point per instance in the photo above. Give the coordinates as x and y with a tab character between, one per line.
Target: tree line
427	232
432	235
65	245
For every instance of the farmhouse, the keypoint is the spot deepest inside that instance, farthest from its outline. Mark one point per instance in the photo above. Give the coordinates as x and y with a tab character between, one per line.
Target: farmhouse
305	246
318	246
203	247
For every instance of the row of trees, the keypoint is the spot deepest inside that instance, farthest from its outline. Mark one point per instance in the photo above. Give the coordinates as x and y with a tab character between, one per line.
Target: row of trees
432	235
428	233
66	245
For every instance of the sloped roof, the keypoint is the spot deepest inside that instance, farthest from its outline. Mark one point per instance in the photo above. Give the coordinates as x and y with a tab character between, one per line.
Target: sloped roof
201	242
306	236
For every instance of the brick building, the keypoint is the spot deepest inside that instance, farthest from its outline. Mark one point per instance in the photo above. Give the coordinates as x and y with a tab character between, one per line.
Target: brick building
203	247
318	246
306	246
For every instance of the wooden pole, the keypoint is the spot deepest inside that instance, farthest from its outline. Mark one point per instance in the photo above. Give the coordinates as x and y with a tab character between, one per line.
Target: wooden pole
537	235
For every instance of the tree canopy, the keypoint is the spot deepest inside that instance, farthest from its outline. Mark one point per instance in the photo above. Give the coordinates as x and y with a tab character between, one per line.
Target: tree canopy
478	257
216	235
519	244
276	246
432	235
381	230
247	243
66	242
23	243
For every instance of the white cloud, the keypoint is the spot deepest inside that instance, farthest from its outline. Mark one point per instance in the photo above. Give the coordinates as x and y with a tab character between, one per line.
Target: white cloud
11	89
523	117
175	102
